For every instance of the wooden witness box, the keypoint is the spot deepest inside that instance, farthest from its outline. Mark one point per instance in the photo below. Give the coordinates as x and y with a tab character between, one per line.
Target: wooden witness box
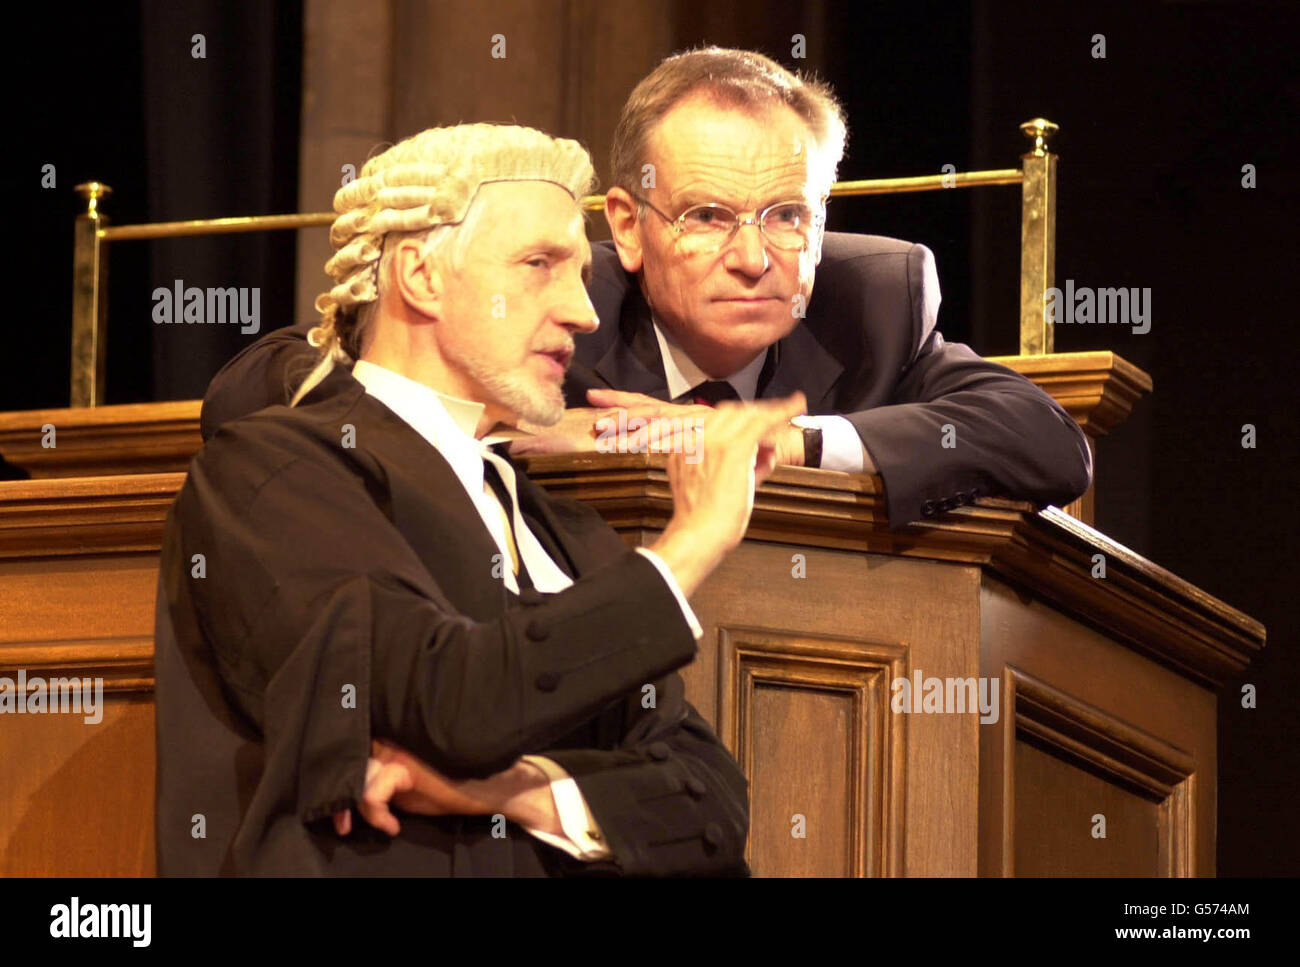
1105	685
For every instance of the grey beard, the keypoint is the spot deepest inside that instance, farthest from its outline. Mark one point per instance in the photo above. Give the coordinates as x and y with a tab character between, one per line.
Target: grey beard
526	403
518	395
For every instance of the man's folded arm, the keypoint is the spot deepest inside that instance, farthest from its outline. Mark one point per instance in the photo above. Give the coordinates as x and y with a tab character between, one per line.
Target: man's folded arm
305	579
669	799
964	427
583	838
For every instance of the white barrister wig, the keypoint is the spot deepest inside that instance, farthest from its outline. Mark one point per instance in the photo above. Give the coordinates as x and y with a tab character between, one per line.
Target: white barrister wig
427	180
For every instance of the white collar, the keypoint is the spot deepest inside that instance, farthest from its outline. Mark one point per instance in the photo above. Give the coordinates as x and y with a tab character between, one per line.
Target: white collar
683	375
430	413
449	423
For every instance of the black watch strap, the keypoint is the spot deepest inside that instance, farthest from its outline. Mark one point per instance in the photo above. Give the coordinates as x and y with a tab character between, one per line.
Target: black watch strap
812	446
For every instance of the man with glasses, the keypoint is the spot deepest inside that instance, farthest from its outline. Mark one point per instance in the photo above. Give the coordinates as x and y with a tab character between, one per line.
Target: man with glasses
722	165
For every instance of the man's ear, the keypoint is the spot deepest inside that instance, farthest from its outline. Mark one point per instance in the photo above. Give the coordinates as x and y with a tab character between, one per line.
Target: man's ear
624	227
417	279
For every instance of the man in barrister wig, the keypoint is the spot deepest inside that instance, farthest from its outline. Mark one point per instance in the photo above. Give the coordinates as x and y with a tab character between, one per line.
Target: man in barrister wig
381	649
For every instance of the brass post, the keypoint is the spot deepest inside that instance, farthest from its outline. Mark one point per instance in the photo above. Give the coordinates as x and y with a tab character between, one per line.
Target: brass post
1037	238
89	298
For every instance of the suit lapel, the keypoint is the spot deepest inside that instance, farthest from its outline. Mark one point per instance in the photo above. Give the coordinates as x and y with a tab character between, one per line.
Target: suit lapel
802	363
633	362
577	541
427	504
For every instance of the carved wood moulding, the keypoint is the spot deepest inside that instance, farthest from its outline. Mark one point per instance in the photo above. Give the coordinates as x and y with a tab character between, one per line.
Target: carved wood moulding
125	663
99	440
1098	389
1046	553
118	514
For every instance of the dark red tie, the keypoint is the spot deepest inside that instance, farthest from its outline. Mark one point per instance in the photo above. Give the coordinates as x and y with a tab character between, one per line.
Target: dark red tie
713	392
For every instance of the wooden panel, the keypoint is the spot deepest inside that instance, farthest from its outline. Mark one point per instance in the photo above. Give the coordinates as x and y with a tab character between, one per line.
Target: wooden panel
1055	808
1092	794
808	719
805	626
845	630
1124	732
78	793
79	798
809	788
70	600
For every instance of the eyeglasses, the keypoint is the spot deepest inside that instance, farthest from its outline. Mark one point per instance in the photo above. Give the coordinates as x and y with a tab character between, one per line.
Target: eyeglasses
704	229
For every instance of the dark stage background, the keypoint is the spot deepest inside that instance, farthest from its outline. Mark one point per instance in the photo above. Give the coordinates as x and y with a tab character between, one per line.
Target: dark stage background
1152	145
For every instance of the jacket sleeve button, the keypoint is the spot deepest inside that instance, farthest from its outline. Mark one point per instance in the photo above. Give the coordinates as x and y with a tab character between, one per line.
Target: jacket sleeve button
712	836
658	751
696	788
536	631
547	681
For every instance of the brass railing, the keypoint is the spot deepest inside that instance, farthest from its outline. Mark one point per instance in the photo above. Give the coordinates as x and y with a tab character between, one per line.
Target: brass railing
1036	177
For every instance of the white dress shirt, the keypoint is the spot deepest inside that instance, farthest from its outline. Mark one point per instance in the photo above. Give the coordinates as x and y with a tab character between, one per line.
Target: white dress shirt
842	448
449	425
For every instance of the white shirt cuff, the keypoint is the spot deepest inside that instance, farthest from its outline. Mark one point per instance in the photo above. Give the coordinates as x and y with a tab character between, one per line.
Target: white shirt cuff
842	448
676	589
583	839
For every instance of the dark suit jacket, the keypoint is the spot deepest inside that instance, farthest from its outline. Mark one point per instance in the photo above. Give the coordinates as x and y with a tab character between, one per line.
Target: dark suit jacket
868	349
327	570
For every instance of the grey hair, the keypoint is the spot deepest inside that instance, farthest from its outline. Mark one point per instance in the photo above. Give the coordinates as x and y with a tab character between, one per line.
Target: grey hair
743	79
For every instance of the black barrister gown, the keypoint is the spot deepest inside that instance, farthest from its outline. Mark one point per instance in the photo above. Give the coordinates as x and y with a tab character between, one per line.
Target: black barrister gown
328	571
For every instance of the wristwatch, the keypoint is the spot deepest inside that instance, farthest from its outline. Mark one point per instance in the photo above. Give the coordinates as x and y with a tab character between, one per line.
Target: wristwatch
812	441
